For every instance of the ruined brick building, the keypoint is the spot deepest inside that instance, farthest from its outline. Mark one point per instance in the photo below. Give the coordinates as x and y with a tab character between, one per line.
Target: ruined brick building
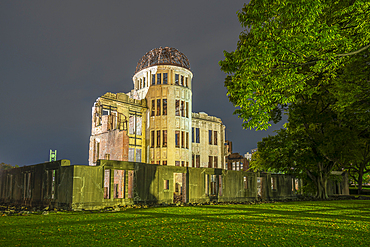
147	146
154	122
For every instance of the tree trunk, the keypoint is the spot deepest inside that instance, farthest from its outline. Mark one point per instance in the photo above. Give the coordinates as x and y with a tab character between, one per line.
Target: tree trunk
359	183
321	184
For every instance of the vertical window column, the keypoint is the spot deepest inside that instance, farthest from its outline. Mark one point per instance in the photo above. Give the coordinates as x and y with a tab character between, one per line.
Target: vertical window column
177	138
159	78
158	138
153	79
177	108
164	101
153	108
164	138
158	107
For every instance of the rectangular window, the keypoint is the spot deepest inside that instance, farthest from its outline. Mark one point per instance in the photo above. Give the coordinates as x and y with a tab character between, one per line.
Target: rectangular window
220	185
210	161
97	151
164	162
119	184
144	82
153	79
176	79
215	138
131	153
192	134
158	138
213	185
166	184
187	109
164	107
182	139
131	125
177	163
186	82
158	107
138	125
130	185
182	109
197	161
164	138
177	108
106	183
182	163
215	162
138	155
187	140
233	166
245	183
192	161
241	167
165	76
152	139
159	78
273	183
187	164
153	108
197	134
177	138
237	166
206	181
210	137
182	81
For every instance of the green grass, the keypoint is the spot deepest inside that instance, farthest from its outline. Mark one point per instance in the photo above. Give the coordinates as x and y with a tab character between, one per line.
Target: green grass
320	223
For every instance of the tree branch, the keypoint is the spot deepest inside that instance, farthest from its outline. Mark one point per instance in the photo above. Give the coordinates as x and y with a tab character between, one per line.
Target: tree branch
354	52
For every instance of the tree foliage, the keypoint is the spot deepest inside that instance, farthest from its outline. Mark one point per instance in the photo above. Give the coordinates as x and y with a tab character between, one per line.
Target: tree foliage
286	44
4	166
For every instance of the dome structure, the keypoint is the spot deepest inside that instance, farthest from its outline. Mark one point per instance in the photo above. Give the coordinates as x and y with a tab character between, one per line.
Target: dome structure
163	56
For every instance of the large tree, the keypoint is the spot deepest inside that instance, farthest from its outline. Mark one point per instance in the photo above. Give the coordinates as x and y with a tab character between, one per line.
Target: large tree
286	44
313	143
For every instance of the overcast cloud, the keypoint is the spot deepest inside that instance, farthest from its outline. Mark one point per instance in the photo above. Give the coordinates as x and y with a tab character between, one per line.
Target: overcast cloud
57	57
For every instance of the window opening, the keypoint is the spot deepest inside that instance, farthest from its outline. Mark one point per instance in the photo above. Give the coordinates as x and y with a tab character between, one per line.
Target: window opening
119	184
187	109
182	109
273	183
164	107
215	162
213	185
215	138
165	75
192	134
164	162
166	184
197	135
164	137
153	79
182	139
210	161
138	155
177	138
130	184
187	140
158	107
198	161
210	137
138	125
182	81
177	163
106	183
177	108
152	139
158	138
153	108
176	79
159	78
131	153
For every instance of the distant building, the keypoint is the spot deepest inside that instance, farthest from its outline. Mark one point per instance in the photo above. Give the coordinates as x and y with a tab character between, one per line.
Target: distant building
248	156
237	162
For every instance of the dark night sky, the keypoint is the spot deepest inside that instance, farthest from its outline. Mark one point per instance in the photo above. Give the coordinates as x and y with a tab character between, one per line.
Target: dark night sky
57	57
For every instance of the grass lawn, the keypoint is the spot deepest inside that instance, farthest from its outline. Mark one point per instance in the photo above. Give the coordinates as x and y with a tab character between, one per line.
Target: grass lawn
322	223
